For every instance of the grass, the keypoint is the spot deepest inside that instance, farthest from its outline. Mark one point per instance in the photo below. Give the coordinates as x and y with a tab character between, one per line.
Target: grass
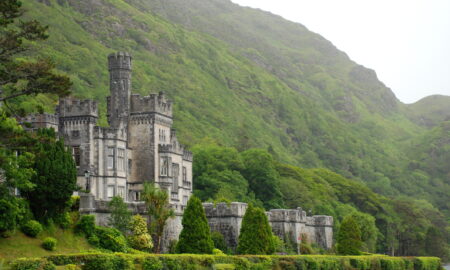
19	245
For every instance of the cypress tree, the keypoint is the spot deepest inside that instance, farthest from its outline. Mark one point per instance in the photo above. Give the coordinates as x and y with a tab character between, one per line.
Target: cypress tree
195	236
256	234
349	237
55	178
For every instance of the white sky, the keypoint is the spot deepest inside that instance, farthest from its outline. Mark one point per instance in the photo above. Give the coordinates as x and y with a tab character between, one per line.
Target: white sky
407	42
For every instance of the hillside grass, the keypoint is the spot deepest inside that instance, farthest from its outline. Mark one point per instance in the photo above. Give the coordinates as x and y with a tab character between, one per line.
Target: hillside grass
19	245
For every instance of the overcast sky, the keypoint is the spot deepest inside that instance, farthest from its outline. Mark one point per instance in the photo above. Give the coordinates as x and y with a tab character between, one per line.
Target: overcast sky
407	42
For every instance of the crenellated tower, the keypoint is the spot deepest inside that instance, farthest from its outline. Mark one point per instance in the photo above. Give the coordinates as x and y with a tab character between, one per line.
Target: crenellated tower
119	66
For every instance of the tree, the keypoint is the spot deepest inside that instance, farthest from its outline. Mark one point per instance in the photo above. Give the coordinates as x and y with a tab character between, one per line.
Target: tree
20	77
55	178
120	215
256	234
262	176
435	243
369	231
349	237
140	239
159	211
195	237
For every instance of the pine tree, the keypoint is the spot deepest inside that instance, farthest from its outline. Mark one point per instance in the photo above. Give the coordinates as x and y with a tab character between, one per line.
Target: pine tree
256	234
195	236
349	237
55	178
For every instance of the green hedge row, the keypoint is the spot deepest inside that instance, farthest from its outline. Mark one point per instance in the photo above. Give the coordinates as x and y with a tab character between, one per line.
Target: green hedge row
120	261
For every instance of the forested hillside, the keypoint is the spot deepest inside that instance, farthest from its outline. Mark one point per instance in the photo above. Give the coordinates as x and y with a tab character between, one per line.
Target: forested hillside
244	78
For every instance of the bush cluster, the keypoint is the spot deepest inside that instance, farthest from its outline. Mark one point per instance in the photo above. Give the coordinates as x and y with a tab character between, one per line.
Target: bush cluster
86	225
32	228
49	243
189	261
111	239
32	264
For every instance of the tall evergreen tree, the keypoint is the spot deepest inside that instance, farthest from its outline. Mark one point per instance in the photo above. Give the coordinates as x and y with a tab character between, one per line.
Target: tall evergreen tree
256	234
195	236
55	178
349	237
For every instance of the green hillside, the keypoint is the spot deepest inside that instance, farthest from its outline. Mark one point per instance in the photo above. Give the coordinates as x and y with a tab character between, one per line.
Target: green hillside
429	111
249	79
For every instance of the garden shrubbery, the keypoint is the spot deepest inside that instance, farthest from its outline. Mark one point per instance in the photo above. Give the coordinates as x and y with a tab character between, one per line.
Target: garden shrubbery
49	243
298	262
32	228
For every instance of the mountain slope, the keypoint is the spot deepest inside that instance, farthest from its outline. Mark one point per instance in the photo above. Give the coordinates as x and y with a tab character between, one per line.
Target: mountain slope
429	111
243	78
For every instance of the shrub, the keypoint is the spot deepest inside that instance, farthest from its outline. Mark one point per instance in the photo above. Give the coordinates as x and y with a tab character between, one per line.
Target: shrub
74	203
217	251
306	249
140	238
49	243
94	241
349	237
86	225
111	239
195	236
64	220
8	212
219	241
256	234
32	228
32	264
120	215
71	267
152	263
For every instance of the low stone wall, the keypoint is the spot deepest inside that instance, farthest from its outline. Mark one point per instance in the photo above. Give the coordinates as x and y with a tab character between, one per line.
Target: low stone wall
288	224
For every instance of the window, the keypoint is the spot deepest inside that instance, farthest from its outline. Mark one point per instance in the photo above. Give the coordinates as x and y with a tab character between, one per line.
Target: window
175	174
121	159
164	166
75	133
130	165
76	154
185	200
110	192
121	192
137	195
184	174
110	157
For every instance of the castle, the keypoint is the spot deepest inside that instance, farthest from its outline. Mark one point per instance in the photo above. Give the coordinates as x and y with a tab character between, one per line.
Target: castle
140	146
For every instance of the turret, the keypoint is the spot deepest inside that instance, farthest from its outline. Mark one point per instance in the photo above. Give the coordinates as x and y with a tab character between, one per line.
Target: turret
119	66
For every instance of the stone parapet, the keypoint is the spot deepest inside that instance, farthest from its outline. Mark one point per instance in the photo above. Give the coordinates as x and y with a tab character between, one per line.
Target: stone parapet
234	209
154	103
287	215
70	108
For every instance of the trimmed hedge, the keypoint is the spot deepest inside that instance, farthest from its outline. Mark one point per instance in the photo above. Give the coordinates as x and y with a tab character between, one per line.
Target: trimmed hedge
118	261
32	264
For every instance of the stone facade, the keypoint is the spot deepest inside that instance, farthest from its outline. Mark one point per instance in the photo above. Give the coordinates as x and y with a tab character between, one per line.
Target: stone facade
140	146
288	224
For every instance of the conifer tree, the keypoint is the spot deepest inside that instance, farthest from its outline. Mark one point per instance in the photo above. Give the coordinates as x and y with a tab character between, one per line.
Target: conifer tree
349	237
195	236
55	178
256	234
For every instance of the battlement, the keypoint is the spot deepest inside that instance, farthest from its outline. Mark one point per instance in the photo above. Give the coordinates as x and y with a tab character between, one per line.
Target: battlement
287	215
320	221
43	120
119	60
234	209
155	103
69	107
110	133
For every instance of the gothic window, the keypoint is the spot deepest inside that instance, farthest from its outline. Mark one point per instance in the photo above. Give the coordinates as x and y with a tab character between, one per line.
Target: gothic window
76	154
185	200
121	159
121	192
110	157
164	166
175	174
110	192
184	174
